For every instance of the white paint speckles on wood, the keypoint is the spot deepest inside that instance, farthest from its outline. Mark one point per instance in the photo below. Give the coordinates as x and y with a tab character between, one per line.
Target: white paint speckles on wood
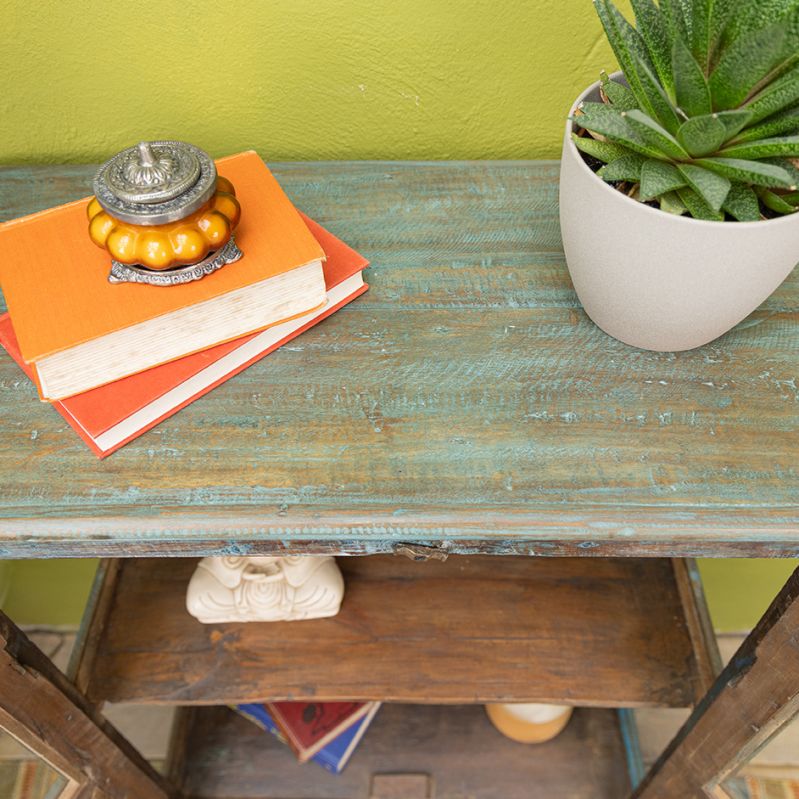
465	399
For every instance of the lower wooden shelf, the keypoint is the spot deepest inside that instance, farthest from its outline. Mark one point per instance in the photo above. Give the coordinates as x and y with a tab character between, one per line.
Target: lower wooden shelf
580	631
217	754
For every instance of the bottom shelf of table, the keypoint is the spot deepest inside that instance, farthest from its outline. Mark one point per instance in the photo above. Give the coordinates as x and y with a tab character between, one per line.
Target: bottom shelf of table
216	753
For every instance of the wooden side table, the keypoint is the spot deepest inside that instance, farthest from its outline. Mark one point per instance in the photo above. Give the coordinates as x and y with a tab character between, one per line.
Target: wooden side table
464	408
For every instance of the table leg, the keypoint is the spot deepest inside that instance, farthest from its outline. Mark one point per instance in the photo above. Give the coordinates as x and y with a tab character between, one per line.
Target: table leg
750	701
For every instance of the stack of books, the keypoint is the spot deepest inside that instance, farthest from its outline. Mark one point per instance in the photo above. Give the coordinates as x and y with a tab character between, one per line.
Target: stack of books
117	359
323	732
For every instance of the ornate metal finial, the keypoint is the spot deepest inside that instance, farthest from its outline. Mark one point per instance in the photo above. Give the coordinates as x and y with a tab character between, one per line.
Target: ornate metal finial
157	182
149	174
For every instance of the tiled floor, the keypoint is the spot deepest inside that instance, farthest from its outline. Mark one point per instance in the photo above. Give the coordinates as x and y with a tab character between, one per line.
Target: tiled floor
772	774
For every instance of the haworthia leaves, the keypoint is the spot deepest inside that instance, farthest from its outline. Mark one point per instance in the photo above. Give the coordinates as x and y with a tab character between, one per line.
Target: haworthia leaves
602	119
654	29
702	135
693	93
791	167
697	207
658	177
780	94
628	167
671	203
654	135
712	188
700	30
744	64
604	151
775	202
752	16
765	148
620	96
675	20
785	121
735	121
720	14
710	121
757	172
627	44
742	203
659	101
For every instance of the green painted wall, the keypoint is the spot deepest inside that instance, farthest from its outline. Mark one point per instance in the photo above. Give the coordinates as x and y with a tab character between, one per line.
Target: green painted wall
295	79
46	592
301	79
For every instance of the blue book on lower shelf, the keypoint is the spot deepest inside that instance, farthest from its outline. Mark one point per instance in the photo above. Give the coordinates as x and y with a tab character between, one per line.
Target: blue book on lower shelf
333	756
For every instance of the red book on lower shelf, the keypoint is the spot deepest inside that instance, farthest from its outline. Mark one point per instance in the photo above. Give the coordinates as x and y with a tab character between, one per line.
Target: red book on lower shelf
110	416
309	726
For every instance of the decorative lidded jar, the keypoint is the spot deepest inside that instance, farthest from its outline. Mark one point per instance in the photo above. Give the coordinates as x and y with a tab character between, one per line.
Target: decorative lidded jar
163	214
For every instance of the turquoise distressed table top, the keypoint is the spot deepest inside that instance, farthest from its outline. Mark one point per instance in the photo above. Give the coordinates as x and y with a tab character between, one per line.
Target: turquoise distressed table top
465	402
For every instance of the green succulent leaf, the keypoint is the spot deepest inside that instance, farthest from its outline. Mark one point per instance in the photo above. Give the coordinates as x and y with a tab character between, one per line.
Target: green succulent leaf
671	203
628	46
711	187
753	15
776	96
654	134
628	167
659	177
720	14
785	121
702	135
735	121
700	30
672	11
775	202
788	165
654	28
697	207
659	101
758	173
604	151
792	198
602	119
764	148
691	87
620	96
742	203
745	63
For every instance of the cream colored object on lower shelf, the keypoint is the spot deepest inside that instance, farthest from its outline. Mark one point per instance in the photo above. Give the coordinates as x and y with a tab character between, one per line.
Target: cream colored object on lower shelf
265	588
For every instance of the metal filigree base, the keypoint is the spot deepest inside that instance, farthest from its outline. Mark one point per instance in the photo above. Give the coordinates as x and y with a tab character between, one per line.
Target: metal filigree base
127	273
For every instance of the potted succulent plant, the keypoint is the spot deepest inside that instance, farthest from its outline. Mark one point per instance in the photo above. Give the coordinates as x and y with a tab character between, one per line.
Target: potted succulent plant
679	175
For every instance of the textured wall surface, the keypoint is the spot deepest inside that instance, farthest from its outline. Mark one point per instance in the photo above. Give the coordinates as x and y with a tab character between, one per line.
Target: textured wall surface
300	79
295	79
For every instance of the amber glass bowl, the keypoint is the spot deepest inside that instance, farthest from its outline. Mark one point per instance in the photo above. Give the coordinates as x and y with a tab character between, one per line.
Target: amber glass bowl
159	247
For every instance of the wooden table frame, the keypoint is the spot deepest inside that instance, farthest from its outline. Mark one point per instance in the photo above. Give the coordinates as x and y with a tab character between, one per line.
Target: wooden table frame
481	413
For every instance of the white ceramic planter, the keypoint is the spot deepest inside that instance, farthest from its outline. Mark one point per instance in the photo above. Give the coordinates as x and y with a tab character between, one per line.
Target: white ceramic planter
659	281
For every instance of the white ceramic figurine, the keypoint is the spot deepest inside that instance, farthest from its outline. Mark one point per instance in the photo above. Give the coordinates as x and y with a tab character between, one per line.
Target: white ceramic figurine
265	589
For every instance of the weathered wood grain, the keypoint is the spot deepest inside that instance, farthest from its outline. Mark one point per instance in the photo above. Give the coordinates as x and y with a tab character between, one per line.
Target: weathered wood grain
44	711
754	697
228	756
602	632
465	398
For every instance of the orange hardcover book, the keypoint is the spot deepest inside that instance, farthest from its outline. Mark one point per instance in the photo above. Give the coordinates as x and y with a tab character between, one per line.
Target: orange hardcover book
55	283
110	416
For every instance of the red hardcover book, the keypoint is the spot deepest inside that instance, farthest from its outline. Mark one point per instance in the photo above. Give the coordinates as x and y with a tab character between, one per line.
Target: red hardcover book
310	726
110	416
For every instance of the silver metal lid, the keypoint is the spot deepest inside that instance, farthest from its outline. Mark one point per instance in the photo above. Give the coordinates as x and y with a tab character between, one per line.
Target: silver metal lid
155	182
